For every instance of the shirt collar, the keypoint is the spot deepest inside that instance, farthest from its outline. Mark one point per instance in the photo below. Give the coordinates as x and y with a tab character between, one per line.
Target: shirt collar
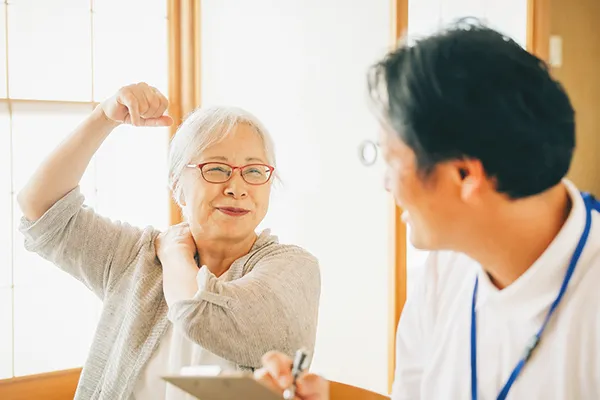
533	291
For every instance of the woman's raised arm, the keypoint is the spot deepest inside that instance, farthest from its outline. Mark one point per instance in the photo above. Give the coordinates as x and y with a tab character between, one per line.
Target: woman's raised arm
61	171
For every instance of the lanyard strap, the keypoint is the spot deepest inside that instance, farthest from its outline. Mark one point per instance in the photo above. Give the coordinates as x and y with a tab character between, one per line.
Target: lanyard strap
590	204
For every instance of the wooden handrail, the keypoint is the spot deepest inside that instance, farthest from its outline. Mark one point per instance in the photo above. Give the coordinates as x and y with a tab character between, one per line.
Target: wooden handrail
342	391
59	385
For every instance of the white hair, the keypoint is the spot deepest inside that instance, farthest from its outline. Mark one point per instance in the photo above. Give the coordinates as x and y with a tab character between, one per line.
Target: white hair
205	127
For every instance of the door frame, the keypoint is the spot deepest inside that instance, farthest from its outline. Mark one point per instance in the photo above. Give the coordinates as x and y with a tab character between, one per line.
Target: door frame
538	28
184	70
397	274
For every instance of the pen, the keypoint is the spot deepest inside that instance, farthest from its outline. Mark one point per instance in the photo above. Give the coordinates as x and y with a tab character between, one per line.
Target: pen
297	369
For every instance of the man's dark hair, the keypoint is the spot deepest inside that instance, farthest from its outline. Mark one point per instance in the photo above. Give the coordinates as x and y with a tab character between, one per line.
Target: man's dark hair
469	92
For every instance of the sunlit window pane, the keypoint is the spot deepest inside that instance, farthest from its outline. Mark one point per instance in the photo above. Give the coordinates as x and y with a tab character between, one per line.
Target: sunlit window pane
49	49
37	130
54	325
129	49
131	173
133	8
5	240
454	10
61	50
5	333
510	18
2	50
5	196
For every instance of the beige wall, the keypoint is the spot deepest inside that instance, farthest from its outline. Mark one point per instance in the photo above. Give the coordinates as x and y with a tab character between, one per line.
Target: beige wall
578	23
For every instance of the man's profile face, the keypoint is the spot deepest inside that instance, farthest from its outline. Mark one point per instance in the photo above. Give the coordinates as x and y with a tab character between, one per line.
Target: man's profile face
428	201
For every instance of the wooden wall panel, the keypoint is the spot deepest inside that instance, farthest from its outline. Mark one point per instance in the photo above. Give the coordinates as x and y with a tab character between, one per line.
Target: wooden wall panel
576	22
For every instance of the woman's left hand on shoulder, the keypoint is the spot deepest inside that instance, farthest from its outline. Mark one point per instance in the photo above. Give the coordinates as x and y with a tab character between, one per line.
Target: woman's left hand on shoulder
176	242
175	248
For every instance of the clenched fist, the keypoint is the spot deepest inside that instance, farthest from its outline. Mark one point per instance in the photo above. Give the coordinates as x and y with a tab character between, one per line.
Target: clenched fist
139	105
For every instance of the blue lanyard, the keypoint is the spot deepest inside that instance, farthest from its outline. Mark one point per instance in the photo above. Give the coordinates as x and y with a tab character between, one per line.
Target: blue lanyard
590	204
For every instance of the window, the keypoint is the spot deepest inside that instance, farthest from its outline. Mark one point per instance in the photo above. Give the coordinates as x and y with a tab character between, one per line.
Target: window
59	59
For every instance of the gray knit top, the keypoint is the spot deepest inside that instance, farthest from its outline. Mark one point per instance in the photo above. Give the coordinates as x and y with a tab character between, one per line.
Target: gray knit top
268	301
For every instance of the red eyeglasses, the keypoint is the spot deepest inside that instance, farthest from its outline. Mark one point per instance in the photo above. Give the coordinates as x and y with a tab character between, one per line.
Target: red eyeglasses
253	174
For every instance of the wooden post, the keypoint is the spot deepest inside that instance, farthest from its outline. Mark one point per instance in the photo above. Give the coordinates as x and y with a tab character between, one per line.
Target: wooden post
184	68
538	28
397	274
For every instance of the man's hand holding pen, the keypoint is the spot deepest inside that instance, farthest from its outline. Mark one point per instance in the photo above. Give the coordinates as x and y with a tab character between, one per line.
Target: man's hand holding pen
277	373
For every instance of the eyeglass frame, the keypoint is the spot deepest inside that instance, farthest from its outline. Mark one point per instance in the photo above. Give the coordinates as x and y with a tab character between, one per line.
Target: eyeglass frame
233	168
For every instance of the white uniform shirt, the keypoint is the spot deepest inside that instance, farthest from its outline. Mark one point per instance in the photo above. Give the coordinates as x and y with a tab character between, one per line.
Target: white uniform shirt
433	339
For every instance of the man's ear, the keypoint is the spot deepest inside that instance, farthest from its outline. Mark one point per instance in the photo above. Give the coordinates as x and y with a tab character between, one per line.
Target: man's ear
471	176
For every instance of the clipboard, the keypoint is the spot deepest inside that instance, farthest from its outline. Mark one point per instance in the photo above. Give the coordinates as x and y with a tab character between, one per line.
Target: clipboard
223	387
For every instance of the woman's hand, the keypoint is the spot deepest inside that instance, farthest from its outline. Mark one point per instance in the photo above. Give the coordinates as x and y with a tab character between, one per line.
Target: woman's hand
176	250
175	242
139	105
277	375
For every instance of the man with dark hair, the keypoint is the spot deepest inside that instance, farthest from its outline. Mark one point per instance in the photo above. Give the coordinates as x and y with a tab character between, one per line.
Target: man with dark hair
478	138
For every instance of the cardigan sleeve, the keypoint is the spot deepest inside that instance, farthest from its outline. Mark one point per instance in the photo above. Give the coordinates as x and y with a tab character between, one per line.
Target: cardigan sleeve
273	307
91	248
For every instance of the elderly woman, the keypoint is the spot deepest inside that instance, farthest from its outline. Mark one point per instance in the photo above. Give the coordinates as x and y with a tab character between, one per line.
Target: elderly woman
208	291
